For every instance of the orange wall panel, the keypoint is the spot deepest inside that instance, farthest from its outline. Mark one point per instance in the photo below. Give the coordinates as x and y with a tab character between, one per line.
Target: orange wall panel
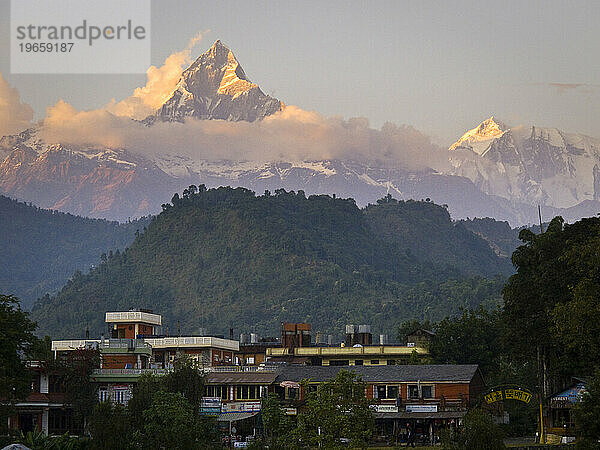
118	361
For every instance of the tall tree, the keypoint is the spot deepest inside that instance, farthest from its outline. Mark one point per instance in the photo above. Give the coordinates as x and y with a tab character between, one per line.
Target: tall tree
16	343
170	422
338	409
587	413
277	425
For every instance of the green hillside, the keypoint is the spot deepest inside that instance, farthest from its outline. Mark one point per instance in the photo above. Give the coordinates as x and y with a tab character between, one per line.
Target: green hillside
225	257
40	249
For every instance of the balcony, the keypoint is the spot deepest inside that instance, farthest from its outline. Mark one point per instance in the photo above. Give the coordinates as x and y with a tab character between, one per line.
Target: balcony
106	345
124	374
369	350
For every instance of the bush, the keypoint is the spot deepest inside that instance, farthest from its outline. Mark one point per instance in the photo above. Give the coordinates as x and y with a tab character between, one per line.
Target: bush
479	432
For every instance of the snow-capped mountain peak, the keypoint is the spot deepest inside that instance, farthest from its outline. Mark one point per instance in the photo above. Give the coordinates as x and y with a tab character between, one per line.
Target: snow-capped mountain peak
216	87
531	165
479	138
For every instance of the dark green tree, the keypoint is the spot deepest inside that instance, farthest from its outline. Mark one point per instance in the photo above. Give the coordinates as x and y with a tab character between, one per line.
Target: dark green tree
277	425
471	338
75	370
337	410
479	432
16	343
109	427
170	421
147	385
187	380
587	413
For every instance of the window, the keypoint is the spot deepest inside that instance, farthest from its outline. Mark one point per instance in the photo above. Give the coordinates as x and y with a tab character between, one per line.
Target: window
247	392
358	362
339	362
217	391
102	395
392	392
391	362
292	393
121	396
413	391
385	391
427	391
374	361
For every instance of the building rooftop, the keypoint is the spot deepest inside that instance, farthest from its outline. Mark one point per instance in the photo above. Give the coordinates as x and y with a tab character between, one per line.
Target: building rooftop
337	351
133	317
261	378
378	374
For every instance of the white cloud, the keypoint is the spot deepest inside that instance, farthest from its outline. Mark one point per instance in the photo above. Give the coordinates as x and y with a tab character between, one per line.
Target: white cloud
160	84
292	134
15	116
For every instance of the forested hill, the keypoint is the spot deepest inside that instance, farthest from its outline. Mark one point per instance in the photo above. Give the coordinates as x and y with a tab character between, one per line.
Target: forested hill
225	257
40	249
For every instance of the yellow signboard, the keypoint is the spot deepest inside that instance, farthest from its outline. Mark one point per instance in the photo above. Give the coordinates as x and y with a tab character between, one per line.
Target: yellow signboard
508	394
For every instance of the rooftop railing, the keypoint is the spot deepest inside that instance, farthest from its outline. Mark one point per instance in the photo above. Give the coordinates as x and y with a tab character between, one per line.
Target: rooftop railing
133	316
130	371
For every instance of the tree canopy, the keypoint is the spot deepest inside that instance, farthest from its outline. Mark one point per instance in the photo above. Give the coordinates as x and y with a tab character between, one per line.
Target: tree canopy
215	257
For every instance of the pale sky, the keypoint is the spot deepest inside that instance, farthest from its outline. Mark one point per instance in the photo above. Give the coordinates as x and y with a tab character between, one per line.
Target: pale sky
440	66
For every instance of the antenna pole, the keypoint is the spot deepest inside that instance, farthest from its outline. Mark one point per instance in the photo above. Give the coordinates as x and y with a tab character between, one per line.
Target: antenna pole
540	214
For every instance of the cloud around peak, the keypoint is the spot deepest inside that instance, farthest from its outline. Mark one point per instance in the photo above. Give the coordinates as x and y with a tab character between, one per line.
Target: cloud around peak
15	116
160	84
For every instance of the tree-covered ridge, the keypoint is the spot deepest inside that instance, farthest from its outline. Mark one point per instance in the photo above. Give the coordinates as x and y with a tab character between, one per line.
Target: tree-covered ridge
225	257
42	248
437	238
503	239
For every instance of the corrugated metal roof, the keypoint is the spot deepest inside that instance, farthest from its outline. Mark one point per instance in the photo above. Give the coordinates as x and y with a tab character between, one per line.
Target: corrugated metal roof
420	415
374	374
262	378
235	416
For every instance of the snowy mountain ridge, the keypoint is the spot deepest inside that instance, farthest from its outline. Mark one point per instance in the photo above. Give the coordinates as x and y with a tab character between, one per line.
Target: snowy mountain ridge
529	164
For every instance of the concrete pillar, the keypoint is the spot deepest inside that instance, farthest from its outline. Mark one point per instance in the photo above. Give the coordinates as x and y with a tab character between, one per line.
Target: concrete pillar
45	414
139	362
43	383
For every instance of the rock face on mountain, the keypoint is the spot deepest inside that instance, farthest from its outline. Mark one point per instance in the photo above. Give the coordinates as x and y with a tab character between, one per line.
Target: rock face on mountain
216	87
531	165
100	183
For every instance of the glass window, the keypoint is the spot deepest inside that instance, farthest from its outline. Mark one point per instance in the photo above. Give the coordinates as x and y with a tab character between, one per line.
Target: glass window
103	395
413	391
427	391
381	392
339	362
374	361
292	393
358	362
391	362
392	392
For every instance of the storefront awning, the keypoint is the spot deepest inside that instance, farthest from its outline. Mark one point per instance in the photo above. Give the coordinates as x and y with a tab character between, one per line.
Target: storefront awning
235	416
420	415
